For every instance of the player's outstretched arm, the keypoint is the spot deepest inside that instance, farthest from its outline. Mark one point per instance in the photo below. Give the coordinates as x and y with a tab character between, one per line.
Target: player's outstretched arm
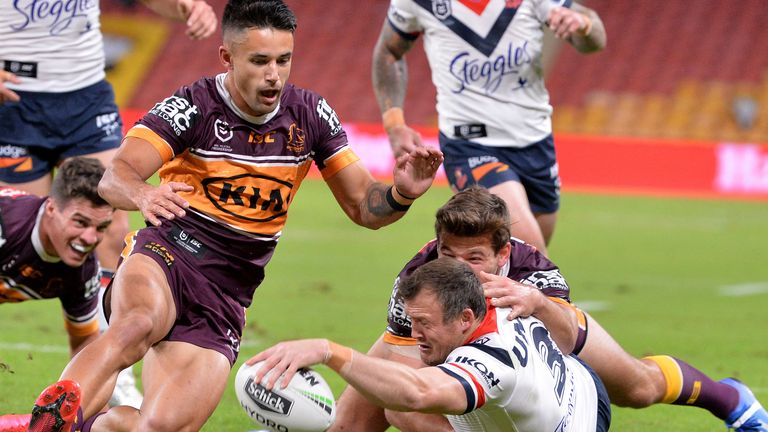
390	81
197	14
124	183
386	383
526	300
374	204
580	26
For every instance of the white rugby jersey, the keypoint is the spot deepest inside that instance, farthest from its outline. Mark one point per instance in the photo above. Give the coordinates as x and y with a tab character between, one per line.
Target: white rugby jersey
516	379
485	58
52	45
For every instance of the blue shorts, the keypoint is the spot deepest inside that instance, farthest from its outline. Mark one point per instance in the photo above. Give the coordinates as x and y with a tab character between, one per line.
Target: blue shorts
43	129
535	167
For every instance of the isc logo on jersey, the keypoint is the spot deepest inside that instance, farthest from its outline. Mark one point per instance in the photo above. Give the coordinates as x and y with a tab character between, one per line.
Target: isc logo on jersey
177	111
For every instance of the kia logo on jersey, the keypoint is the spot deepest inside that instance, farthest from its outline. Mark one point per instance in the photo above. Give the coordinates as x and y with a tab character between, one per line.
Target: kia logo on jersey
250	197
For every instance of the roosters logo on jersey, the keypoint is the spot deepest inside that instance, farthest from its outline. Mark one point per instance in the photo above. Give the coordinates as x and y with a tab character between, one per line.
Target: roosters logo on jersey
250	197
441	8
177	111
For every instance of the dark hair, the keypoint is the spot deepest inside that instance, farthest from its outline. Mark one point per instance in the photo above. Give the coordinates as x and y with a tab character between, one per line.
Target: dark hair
475	212
78	178
240	15
453	282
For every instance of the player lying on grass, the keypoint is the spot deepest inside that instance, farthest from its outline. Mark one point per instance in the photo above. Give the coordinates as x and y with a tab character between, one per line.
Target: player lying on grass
485	373
47	245
473	227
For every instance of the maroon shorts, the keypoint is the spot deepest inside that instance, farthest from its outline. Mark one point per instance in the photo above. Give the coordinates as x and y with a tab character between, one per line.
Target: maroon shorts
211	280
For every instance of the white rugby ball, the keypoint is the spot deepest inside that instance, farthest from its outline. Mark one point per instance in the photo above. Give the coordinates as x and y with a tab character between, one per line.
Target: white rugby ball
305	405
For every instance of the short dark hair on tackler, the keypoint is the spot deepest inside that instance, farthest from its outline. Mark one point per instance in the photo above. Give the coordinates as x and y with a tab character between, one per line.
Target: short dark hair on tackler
453	282
78	177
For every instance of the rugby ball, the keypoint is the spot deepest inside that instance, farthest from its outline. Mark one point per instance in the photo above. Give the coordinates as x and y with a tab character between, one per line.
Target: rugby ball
305	405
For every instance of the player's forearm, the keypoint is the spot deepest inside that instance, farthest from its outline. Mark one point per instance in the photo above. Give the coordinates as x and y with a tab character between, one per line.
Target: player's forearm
166	8
385	383
560	319
121	184
382	206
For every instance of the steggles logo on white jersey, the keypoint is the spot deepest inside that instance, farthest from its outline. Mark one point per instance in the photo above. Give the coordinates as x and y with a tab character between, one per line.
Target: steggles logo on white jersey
488	73
329	115
58	15
177	111
222	130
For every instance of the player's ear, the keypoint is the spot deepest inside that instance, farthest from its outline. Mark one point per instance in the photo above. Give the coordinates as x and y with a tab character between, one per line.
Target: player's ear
503	256
50	207
225	56
467	318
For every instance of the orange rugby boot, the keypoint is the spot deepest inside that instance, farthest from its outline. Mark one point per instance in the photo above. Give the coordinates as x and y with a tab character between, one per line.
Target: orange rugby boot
56	408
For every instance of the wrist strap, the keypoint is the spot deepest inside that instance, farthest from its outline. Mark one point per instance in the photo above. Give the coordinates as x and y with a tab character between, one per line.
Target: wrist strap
337	356
396	206
403	195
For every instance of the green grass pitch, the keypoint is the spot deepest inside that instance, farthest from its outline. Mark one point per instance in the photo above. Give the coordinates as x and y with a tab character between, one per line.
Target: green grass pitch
665	276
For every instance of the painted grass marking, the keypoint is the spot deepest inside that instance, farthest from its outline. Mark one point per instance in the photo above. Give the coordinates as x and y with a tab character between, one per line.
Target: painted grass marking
742	290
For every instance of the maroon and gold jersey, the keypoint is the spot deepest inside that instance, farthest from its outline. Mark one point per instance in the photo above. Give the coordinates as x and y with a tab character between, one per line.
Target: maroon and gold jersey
526	264
27	272
245	170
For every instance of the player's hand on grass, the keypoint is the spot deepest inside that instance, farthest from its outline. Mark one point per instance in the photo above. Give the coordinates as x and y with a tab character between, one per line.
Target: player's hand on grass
415	171
403	139
523	300
200	18
161	202
6	94
285	358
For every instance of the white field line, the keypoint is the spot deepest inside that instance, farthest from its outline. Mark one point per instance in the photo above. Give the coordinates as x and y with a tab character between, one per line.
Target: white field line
742	290
593	305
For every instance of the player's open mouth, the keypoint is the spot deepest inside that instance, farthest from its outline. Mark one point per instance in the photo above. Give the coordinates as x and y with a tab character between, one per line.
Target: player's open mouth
81	249
270	95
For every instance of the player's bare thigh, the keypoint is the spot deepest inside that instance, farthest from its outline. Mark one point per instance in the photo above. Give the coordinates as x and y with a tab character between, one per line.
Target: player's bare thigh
524	223
630	382
183	384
